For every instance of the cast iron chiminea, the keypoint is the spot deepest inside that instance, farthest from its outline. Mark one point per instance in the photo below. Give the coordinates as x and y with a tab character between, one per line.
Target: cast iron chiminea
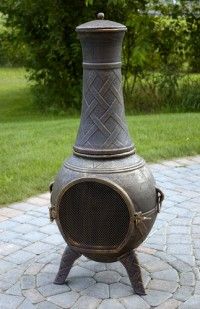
104	199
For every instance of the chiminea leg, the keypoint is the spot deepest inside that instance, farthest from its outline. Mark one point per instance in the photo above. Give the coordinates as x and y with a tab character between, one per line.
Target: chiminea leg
68	258
132	266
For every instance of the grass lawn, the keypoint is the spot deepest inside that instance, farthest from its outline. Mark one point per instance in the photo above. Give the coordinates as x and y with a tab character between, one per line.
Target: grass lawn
33	146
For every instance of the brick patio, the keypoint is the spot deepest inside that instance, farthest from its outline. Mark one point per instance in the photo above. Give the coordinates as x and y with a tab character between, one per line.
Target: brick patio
31	248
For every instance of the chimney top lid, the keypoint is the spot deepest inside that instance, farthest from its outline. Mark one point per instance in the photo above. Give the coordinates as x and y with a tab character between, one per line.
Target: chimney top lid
100	25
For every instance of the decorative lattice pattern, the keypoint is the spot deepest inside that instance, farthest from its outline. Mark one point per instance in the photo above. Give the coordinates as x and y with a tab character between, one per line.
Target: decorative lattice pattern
103	123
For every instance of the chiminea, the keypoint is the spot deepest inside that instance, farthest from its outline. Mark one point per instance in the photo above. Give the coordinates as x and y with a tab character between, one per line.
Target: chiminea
104	199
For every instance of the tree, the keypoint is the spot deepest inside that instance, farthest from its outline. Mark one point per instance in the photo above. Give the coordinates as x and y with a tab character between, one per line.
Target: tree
154	42
54	60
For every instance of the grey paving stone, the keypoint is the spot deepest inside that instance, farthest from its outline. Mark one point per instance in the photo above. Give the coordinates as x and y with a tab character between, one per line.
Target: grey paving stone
9	225
50	268
44	279
37	214
64	300
145	258
99	290
178	230
163	285
24	218
197	288
54	239
49	229
117	266
110	304
191	206
20	257
14	274
47	305
78	271
155	239
10	301
180	266
27	304
5	266
167	204
83	258
134	302
166	216
50	258
34	236
181	221
45	195
192	303
156	298
15	289
25	228
40	221
188	259
196	273
196	229
183	293
34	268
154	267
108	276
27	282
6	248
197	253
165	257
21	206
187	278
86	302
181	213
196	220
118	290
160	247
198	262
9	212
160	224
37	201
170	304
39	247
33	295
179	249
196	242
77	283
4	285
195	200
168	274
9	235
44	211
94	266
178	239
53	289
19	241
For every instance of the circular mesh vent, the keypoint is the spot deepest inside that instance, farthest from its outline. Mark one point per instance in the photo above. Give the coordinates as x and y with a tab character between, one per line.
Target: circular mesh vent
93	214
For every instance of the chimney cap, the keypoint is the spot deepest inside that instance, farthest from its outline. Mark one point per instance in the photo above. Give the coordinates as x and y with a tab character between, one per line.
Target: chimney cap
100	25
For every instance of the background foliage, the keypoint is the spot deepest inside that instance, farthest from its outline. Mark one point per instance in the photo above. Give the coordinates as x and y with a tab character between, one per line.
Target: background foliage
160	48
12	51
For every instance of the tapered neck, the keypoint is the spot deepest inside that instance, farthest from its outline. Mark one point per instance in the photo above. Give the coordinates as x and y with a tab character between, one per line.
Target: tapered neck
103	131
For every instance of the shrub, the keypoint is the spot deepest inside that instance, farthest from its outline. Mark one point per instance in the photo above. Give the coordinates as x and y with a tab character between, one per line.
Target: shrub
13	52
50	50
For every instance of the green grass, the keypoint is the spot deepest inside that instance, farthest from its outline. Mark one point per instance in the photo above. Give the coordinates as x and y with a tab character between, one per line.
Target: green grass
33	146
15	96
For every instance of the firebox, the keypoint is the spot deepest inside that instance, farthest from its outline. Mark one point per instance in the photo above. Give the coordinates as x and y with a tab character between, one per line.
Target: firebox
104	199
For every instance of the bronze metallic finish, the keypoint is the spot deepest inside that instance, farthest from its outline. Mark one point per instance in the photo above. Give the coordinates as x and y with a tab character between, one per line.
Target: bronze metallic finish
104	199
68	258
